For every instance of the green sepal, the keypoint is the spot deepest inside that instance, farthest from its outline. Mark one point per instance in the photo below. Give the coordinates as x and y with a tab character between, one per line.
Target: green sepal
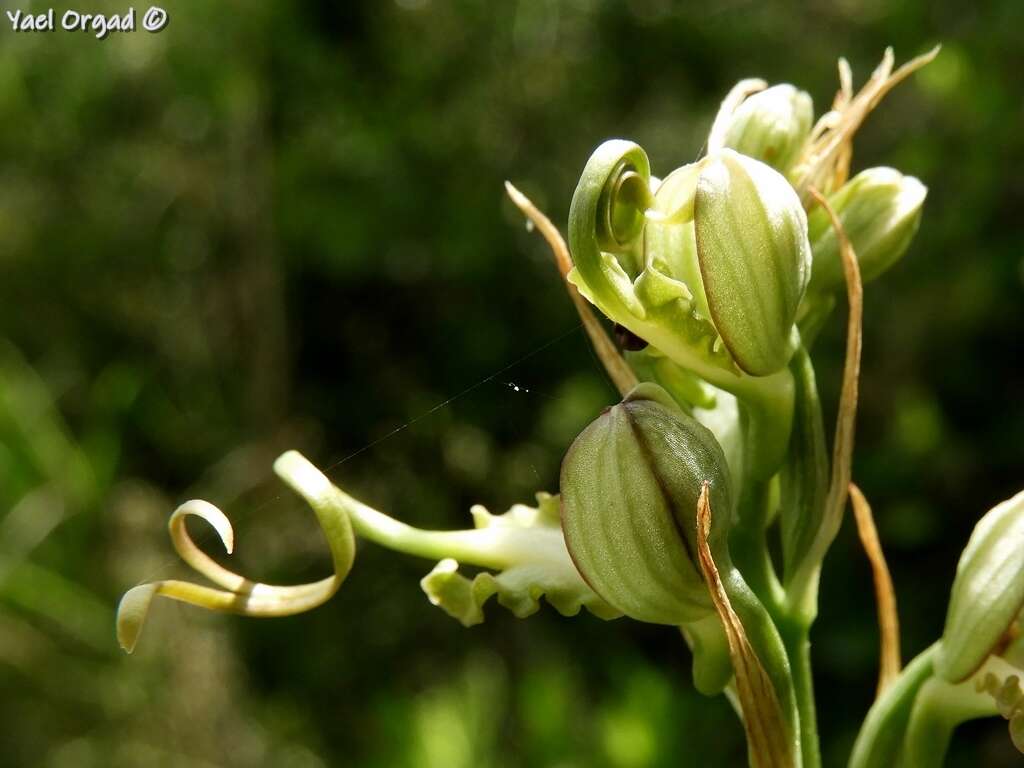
988	591
755	260
880	740
880	210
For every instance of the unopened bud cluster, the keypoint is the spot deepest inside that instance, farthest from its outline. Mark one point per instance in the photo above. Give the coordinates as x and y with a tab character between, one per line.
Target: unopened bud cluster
710	271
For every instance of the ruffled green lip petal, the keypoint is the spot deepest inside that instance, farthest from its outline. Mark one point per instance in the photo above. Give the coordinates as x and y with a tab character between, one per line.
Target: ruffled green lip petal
542	569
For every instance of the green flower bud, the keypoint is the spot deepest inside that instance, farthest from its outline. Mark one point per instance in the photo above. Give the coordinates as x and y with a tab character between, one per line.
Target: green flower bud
754	257
630	485
879	209
772	126
710	271
988	592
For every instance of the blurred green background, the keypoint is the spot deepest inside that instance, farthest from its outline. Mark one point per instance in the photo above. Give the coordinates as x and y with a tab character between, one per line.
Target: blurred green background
280	225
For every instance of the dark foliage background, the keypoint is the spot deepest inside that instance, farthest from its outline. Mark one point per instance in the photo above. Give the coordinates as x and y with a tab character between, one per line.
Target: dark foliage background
281	225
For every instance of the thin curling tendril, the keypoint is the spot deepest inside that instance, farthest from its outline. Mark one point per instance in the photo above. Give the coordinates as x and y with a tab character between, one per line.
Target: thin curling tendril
239	594
524	546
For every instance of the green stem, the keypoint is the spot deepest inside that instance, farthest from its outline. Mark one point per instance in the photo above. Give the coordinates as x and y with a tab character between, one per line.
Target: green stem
767	643
938	709
881	736
748	545
798	647
767	404
929	731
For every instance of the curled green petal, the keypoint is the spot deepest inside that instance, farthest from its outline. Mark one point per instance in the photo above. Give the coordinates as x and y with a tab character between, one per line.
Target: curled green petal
629	259
241	595
606	221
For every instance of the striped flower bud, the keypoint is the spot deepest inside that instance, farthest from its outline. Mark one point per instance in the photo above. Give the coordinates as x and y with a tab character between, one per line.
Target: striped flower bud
988	592
879	209
751	237
772	126
630	485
